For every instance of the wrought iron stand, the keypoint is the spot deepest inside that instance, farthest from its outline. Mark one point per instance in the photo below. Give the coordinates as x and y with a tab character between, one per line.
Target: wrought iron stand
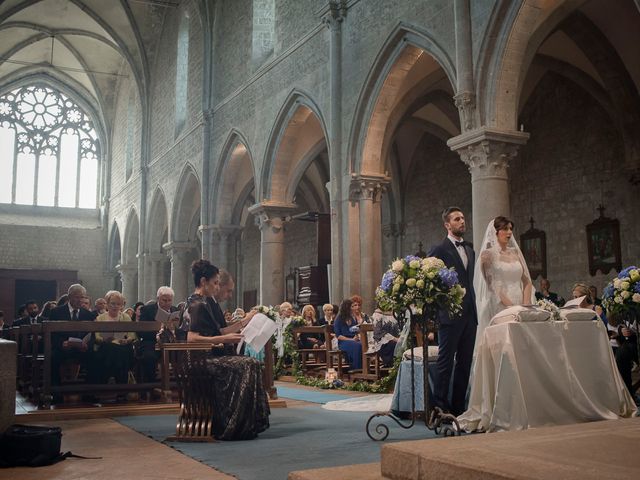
434	418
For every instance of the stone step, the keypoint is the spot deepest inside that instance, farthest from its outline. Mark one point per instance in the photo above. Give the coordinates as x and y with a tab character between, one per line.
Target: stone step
585	451
365	471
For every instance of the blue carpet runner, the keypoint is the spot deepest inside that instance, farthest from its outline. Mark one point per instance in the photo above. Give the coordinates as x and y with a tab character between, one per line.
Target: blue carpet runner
298	439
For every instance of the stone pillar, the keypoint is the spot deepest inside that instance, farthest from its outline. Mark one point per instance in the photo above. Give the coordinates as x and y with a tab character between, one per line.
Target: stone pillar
129	284
8	356
178	254
487	153
270	219
223	244
332	16
465	96
154	262
367	192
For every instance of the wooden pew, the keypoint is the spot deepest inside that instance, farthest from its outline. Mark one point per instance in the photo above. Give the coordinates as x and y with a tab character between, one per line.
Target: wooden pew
49	328
336	358
320	355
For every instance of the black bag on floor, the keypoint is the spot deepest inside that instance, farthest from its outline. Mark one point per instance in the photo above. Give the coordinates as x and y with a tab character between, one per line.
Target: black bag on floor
31	445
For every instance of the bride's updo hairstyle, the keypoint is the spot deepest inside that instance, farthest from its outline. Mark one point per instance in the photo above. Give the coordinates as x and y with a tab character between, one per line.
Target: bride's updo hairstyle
203	269
501	223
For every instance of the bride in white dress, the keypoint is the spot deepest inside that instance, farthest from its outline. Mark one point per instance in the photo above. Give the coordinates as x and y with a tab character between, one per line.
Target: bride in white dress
501	280
501	277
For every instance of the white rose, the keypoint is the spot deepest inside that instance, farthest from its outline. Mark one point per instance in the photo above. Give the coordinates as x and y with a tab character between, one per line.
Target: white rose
616	283
625	285
618	299
397	265
636	297
625	294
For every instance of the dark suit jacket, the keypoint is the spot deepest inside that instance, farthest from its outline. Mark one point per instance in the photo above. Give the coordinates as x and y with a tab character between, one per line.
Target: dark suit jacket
448	253
148	314
62	313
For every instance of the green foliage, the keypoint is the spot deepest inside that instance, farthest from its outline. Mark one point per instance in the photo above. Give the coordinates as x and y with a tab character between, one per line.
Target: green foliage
290	350
385	385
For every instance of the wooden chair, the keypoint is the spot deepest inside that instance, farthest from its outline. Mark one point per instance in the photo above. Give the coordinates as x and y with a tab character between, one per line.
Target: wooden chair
195	420
336	358
313	359
372	366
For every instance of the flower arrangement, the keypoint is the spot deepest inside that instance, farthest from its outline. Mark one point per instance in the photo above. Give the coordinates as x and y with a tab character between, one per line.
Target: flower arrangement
549	306
621	297
420	284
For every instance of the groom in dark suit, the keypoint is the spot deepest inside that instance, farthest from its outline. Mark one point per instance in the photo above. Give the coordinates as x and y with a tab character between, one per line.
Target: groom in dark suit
457	334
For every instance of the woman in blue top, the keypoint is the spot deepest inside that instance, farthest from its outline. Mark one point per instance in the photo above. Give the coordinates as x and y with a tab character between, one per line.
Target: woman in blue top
345	328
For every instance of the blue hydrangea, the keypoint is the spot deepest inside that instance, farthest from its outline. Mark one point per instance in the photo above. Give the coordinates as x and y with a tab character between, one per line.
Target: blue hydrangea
636	288
608	291
449	277
409	258
387	280
625	272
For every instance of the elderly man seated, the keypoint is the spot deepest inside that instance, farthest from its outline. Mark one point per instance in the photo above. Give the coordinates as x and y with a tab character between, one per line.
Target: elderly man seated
147	355
70	346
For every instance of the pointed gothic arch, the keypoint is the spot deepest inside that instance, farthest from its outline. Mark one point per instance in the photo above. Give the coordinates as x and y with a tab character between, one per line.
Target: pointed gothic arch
157	231
234	173
186	202
298	128
387	84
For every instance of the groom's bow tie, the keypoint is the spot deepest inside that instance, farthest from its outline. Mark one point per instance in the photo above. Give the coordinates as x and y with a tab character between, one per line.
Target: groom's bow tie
459	244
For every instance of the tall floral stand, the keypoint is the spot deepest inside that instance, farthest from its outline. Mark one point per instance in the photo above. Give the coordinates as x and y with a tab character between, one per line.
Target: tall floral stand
434	418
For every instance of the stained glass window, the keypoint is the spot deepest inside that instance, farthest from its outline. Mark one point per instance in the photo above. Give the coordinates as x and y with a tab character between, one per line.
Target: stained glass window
49	150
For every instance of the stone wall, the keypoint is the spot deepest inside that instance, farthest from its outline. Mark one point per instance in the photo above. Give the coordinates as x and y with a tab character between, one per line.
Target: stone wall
58	248
570	165
437	179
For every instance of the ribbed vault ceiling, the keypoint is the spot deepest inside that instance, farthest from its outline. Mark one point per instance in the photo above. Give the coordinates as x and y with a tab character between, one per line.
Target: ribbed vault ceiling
87	44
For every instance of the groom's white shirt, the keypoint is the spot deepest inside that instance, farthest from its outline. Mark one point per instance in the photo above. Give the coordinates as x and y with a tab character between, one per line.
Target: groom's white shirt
461	251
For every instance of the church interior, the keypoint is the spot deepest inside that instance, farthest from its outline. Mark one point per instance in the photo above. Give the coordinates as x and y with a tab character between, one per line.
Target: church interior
301	146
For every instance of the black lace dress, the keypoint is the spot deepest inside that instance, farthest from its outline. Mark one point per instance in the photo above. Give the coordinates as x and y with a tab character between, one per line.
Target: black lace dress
235	386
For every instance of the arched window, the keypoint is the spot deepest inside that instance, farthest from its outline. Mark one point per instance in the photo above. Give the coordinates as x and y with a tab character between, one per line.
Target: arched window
182	73
263	37
49	150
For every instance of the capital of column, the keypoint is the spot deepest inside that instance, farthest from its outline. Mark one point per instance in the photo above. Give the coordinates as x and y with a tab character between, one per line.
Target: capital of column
271	215
225	232
466	104
393	230
177	250
487	152
126	272
334	13
367	187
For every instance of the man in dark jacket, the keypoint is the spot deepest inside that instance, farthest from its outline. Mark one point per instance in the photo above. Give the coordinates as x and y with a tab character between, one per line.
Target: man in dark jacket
65	346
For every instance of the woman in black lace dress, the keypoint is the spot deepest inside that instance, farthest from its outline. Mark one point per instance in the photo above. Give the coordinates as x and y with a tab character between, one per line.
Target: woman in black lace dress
240	405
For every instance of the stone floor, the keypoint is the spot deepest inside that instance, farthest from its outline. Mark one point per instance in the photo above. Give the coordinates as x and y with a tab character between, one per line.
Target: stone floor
125	454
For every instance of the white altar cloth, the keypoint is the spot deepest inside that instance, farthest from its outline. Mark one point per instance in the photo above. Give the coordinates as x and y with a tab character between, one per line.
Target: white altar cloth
545	373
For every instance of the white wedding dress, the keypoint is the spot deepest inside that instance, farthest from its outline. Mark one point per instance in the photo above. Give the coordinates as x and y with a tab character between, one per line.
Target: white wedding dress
500	277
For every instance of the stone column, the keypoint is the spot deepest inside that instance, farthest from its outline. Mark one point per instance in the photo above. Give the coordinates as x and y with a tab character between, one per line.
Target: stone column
465	96
487	153
332	16
154	261
129	284
178	254
367	191
223	242
270	219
